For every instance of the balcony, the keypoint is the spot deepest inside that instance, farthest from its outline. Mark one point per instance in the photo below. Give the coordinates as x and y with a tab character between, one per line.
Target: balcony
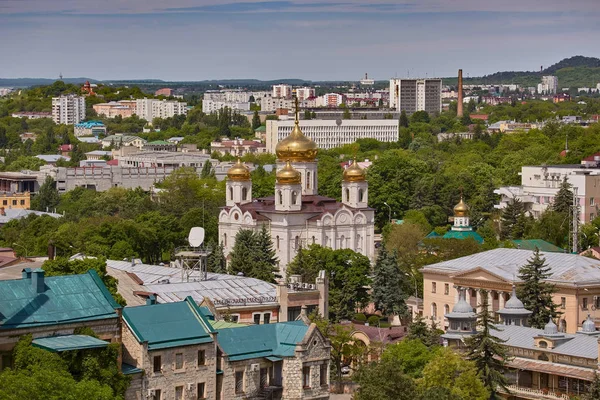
536	394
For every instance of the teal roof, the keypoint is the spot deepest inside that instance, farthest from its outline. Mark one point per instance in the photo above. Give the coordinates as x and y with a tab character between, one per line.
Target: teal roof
64	300
68	342
267	340
531	244
433	235
167	325
90	124
261	128
463	235
128	369
160	142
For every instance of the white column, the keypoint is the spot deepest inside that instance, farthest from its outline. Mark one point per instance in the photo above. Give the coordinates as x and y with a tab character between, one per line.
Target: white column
490	301
478	296
501	301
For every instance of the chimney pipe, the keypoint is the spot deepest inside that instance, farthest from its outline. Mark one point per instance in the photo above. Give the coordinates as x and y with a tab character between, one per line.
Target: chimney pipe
37	280
151	300
26	273
459	107
51	250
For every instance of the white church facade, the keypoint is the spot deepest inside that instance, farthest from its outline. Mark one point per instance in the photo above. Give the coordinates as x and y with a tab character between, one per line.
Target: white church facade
296	215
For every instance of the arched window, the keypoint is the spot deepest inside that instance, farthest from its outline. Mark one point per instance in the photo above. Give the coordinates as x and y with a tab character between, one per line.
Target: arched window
563	325
294	197
326	242
542	345
433	311
296	243
342	242
277	242
230	193
347	192
361	195
446	309
225	239
244	193
308	179
280	196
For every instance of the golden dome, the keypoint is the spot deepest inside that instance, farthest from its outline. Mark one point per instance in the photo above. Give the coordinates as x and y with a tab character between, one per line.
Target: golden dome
296	147
288	175
461	209
238	172
354	173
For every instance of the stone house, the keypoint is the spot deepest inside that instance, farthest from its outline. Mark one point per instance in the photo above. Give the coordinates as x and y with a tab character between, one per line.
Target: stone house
170	350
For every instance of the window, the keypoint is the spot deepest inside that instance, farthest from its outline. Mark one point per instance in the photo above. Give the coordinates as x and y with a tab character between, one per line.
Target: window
235	318
323	375
179	393
446	288
4	202
6	361
433	287
361	195
266	318
347	191
230	193
239	381
22	202
256	319
591	201
308	179
446	309
433	310
244	194
201	357
597	301
280	196
585	303
201	390
157	394
563	302
294	197
277	242
178	360
306	377
296	242
14	202
225	239
157	363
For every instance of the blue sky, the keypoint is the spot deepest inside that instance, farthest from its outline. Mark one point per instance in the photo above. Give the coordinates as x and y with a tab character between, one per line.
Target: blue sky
308	39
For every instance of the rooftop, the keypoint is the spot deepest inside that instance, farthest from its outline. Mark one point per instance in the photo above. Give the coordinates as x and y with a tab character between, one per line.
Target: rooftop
18	213
531	244
68	342
90	124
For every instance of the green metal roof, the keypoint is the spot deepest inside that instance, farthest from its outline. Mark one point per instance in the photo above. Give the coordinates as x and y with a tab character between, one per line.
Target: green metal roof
268	340
531	244
168	325
160	142
57	344
463	235
224	324
128	369
65	299
433	235
261	128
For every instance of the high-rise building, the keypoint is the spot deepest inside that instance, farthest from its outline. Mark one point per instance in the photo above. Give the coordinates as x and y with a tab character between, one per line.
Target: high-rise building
304	93
149	109
282	91
413	95
549	85
68	109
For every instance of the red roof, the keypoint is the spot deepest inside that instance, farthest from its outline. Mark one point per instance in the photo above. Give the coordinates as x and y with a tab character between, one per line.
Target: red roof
592	157
112	162
65	147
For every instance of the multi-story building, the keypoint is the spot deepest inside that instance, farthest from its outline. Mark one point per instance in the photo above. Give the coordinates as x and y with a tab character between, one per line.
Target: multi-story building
148	109
123	108
333	100
328	134
120	140
90	128
304	93
164	92
68	109
271	104
549	85
238	147
282	91
576	279
211	106
540	184
15	200
413	95
32	114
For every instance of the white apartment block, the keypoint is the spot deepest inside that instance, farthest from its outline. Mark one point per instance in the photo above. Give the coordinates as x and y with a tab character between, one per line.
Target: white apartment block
328	134
270	104
413	95
211	106
148	109
282	91
304	93
69	109
549	85
540	184
333	99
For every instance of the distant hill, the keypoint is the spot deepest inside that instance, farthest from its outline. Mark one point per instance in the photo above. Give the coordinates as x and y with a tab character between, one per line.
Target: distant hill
26	82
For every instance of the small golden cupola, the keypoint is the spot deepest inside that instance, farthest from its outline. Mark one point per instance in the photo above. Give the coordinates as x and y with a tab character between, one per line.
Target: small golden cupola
354	173
288	175
461	209
238	172
296	147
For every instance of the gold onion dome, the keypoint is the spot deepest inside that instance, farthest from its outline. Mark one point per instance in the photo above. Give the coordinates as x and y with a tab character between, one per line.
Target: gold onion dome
238	172
461	209
288	175
296	147
354	173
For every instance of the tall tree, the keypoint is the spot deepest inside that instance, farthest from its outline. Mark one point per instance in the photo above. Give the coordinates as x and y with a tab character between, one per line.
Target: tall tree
513	221
253	255
255	120
593	392
487	351
207	170
216	261
384	380
387	286
564	198
268	262
403	119
47	197
426	334
535	292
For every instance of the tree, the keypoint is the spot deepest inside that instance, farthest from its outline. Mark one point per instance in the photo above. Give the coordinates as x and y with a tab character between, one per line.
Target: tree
419	330
307	114
384	380
449	370
216	261
419	116
347	114
564	198
256	120
411	354
593	392
267	256
253	255
403	122
487	351
387	289
207	171
512	224
47	198
535	293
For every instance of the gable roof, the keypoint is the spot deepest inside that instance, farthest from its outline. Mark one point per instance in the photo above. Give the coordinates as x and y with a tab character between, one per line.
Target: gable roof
256	341
531	244
169	325
463	235
65	299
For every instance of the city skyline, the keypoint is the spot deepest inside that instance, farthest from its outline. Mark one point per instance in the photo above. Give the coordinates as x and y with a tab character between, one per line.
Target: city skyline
193	40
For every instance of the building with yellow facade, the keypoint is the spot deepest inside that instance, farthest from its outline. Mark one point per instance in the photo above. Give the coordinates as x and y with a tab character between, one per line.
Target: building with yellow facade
15	200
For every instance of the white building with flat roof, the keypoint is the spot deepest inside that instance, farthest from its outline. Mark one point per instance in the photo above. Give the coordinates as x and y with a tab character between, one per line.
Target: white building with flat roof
412	95
549	85
148	109
328	134
304	93
282	91
68	109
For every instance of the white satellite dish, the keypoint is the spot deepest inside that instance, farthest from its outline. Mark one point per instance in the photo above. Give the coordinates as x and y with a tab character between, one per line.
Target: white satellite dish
196	236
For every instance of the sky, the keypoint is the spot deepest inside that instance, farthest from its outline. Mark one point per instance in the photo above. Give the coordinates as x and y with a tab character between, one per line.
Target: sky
307	39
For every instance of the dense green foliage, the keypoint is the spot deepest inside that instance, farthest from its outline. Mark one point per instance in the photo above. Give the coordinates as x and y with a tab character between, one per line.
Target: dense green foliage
253	255
387	292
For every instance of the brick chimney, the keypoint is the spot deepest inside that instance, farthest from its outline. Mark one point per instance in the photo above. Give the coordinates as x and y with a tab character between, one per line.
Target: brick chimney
459	106
37	280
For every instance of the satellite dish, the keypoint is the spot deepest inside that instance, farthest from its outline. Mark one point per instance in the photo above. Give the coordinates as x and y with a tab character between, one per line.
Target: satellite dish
196	236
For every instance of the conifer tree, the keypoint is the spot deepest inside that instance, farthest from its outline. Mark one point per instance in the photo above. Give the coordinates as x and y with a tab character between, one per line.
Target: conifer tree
255	120
244	253
593	392
427	334
267	258
487	351
387	292
513	221
403	122
47	197
535	292
216	261
207	170
564	198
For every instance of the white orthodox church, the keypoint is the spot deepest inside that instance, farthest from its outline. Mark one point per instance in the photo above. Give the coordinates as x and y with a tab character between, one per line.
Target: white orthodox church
296	215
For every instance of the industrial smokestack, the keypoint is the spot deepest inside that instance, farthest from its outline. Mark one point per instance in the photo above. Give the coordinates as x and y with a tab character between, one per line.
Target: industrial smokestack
459	107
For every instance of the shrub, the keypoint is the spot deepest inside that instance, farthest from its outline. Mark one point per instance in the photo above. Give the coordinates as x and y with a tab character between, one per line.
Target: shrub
360	317
373	320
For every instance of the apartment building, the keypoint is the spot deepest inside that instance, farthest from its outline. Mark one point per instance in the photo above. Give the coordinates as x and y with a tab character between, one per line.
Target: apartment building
328	134
304	93
540	184
282	91
271	104
148	109
123	108
413	95
68	109
90	128
549	85
333	100
211	106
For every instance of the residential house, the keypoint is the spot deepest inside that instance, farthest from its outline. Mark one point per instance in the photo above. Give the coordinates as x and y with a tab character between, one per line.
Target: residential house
123	140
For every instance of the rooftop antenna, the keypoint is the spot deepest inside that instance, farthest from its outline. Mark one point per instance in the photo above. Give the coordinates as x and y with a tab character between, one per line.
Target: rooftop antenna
60	76
193	258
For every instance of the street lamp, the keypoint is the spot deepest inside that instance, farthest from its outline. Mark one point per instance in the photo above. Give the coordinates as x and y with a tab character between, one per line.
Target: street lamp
389	212
20	245
416	290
